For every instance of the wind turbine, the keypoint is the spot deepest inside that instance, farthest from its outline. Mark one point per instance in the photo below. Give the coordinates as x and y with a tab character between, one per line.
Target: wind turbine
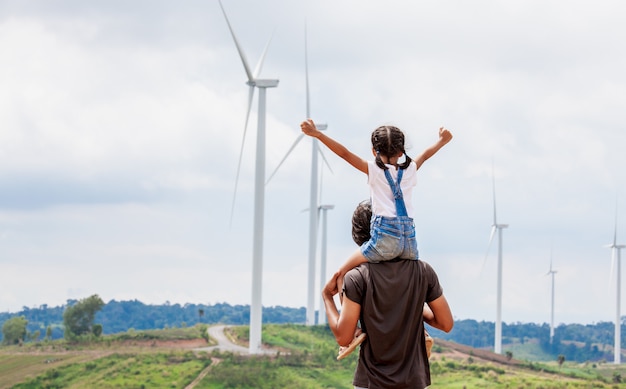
322	312
615	253
551	272
256	308
497	227
313	201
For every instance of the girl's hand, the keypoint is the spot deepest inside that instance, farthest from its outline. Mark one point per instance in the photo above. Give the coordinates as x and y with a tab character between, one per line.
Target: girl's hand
308	128
444	135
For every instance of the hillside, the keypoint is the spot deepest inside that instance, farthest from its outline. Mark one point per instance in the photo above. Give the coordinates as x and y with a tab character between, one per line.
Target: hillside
301	357
527	341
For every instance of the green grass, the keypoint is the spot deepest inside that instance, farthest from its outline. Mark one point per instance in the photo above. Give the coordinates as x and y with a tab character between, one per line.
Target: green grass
530	351
194	332
470	374
158	370
305	358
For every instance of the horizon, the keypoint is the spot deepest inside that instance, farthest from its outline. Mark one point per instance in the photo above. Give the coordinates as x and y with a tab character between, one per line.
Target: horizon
166	303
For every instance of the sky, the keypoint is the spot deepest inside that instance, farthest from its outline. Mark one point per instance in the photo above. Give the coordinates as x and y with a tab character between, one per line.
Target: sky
122	122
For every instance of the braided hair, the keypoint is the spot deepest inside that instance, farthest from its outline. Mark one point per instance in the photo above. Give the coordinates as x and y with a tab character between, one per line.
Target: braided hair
388	141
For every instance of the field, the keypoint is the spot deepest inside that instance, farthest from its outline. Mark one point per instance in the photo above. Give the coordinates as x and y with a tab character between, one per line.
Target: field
300	357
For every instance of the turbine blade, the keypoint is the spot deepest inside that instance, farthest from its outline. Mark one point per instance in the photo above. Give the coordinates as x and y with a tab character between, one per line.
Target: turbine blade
612	267
259	65
550	271
615	229
298	139
613	248
493	186
306	73
493	233
325	160
241	53
243	141
250	97
321	181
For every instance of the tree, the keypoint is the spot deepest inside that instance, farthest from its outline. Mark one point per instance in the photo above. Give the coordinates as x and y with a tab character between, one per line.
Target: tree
34	336
97	330
560	359
200	314
14	330
509	355
49	333
78	319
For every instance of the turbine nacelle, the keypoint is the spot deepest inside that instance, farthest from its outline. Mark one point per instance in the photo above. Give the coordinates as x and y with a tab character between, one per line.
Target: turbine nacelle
262	83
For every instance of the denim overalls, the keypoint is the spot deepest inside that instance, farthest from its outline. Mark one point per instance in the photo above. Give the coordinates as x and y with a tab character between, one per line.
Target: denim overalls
392	237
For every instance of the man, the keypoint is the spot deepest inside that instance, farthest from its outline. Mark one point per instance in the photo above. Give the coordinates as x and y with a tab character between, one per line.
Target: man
392	300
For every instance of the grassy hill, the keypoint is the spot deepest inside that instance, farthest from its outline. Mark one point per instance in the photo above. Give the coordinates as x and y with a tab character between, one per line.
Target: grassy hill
305	358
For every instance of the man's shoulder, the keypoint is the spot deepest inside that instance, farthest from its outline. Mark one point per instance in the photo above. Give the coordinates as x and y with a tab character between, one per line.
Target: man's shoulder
363	268
367	267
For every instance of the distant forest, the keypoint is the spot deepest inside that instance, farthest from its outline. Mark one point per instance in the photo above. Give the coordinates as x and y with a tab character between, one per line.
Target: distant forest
121	316
577	342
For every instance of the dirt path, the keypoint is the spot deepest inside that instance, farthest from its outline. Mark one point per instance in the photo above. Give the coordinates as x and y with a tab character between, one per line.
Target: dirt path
224	344
203	373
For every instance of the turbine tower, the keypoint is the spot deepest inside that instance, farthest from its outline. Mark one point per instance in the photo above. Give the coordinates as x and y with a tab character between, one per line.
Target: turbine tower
256	307
313	200
497	227
615	254
322	312
551	272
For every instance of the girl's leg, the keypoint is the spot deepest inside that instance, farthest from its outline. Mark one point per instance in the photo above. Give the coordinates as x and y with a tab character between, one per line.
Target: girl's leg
359	337
353	261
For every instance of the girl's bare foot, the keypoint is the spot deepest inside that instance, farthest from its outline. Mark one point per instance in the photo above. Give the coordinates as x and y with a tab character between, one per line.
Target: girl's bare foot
347	350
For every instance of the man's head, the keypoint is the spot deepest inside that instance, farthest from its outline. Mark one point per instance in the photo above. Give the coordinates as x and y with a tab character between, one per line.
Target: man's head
361	219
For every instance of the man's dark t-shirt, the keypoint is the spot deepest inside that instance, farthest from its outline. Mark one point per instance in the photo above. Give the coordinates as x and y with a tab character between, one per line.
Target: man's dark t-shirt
392	295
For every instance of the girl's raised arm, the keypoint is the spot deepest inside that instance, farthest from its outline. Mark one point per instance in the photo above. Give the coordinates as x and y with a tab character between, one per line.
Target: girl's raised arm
308	127
444	137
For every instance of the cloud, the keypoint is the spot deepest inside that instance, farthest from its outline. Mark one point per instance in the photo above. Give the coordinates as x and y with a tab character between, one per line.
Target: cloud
123	123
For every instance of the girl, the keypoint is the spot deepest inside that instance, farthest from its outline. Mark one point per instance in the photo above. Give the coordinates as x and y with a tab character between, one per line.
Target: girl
390	182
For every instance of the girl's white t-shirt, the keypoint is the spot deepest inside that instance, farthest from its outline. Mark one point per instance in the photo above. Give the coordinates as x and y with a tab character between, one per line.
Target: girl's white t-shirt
383	203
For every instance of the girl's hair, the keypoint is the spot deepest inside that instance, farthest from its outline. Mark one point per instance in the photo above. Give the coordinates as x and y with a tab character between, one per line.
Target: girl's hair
389	141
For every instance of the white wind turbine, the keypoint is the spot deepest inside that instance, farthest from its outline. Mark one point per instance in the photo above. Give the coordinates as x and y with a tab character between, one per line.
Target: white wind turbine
551	272
497	227
615	254
322	312
256	308
313	199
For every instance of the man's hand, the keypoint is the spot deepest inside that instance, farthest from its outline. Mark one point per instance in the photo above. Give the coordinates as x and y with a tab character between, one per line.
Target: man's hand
330	289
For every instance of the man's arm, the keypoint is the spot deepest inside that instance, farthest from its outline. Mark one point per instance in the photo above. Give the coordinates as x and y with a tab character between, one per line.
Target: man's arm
441	317
341	324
